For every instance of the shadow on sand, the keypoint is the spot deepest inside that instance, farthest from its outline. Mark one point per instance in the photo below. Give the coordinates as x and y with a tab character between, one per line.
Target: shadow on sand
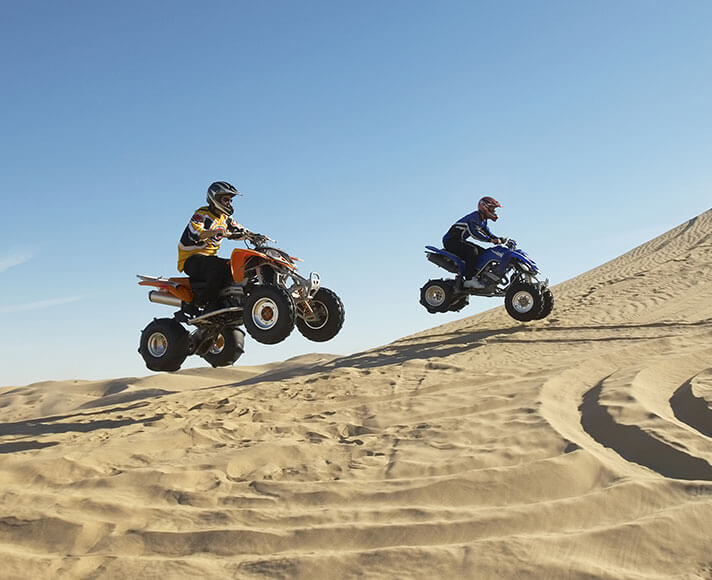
433	346
65	424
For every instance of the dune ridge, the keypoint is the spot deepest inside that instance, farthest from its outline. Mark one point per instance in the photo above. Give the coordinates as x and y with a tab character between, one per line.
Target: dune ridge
579	446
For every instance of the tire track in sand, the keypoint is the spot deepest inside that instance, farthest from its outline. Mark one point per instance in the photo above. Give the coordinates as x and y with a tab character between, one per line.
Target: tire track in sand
637	406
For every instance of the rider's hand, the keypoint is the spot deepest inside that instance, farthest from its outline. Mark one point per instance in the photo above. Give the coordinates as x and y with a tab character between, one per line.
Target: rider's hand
239	234
216	233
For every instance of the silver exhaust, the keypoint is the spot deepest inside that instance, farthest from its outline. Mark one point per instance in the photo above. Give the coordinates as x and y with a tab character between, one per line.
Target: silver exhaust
164	298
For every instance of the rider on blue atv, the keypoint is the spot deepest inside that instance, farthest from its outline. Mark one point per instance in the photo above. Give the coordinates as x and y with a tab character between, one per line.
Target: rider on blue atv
473	224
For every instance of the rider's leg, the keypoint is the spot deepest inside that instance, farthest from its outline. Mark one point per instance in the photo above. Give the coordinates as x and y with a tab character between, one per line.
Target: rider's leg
467	251
213	271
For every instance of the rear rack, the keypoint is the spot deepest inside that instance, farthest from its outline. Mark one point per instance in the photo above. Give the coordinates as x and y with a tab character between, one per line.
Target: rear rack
148	280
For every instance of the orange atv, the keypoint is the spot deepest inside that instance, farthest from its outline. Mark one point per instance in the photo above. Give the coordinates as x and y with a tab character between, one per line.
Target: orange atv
267	296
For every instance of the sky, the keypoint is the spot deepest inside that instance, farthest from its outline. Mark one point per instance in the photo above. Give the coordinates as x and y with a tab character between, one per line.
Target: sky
358	133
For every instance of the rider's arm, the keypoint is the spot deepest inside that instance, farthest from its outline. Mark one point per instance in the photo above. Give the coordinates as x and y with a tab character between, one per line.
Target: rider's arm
235	230
197	228
194	233
478	229
214	233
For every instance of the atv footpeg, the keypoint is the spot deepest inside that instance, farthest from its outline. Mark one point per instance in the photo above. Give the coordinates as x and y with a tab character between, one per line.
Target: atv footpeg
204	317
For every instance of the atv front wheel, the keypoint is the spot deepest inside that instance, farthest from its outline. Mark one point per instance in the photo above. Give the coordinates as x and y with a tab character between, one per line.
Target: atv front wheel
269	314
436	295
523	301
227	348
164	344
326	317
548	305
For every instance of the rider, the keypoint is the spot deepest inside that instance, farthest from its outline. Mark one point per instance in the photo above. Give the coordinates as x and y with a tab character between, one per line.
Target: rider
473	224
198	247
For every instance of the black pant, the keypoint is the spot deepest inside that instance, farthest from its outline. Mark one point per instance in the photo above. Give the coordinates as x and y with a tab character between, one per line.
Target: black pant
214	272
465	250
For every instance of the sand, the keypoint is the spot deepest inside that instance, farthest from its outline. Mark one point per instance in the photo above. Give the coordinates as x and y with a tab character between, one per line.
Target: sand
579	446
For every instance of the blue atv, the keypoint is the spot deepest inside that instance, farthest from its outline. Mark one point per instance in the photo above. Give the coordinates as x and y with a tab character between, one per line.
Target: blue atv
502	270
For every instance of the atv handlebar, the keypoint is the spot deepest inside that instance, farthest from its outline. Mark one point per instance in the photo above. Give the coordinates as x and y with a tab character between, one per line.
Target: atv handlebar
256	239
511	244
259	239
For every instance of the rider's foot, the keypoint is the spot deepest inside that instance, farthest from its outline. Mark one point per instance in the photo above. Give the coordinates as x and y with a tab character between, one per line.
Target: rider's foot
473	283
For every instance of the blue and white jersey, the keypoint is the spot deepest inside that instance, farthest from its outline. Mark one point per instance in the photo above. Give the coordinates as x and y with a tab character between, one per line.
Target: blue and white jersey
470	225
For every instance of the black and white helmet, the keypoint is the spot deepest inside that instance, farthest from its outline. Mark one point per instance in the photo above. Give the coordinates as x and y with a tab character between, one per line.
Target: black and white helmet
218	193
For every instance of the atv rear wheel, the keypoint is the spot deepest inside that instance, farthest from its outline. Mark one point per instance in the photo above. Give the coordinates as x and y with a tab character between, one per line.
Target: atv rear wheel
436	295
164	345
523	301
269	314
327	318
227	348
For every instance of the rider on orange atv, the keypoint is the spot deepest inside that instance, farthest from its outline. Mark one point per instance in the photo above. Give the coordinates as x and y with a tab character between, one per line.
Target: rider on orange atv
258	288
199	244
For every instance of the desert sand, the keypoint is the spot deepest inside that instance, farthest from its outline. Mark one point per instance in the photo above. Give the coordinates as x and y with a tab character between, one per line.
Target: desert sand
579	446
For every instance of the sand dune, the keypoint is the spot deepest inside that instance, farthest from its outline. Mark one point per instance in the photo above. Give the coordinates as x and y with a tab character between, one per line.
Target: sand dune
579	446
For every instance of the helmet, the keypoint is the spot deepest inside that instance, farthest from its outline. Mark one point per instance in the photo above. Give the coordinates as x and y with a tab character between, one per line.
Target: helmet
216	196
487	207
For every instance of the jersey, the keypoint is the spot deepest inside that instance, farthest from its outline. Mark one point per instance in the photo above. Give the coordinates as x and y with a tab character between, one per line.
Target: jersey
203	219
471	225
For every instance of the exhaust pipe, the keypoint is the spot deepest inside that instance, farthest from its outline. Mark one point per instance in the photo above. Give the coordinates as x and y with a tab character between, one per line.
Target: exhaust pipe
164	298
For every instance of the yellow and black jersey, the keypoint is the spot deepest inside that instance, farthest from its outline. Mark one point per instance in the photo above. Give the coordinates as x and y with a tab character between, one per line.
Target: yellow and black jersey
204	219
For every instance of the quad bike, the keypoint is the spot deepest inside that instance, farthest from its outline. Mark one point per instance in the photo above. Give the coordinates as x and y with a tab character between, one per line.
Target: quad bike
504	270
266	295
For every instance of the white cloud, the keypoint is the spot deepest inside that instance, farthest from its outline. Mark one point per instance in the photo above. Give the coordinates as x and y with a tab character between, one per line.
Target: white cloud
7	262
38	304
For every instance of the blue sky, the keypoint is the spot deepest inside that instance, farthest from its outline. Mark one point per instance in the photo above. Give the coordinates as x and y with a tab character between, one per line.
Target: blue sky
357	131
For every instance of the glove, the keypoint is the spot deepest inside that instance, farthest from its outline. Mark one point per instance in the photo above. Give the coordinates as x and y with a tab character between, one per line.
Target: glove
258	239
238	234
